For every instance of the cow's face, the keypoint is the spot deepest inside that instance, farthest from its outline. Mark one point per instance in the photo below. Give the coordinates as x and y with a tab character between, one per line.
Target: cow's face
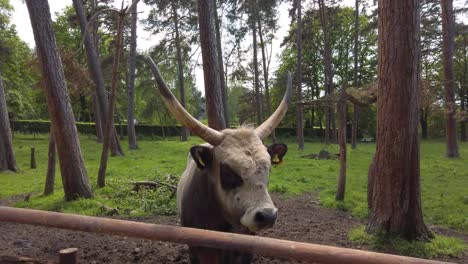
239	168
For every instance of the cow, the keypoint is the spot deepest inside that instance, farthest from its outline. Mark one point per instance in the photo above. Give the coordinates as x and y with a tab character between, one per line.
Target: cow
224	186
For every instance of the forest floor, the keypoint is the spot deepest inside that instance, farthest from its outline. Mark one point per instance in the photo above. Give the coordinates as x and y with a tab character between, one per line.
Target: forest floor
301	219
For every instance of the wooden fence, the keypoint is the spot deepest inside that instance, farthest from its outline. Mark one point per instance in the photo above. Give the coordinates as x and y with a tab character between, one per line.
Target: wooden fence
197	237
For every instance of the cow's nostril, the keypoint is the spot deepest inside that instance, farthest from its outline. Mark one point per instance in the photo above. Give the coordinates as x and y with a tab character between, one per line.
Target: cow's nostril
266	217
259	217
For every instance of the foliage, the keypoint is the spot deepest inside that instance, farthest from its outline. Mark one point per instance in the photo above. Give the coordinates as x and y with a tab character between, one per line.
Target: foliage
438	246
17	74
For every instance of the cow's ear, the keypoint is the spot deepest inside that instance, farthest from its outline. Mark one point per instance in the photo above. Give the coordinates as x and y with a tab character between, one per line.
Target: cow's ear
277	152
203	156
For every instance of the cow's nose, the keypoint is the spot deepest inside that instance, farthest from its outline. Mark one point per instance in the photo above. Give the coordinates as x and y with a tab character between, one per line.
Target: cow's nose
266	217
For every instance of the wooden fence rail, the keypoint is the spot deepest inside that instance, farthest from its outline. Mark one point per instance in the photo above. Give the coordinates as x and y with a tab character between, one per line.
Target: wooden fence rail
253	244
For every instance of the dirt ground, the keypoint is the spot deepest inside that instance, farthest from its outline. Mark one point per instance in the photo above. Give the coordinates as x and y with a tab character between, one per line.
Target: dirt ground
300	219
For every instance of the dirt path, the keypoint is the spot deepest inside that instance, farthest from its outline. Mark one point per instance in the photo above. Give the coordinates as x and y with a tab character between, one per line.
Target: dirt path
301	219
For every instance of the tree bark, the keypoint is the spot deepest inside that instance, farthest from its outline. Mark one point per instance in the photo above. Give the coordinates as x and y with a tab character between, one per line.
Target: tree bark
7	155
265	76
394	197
132	143
214	101
101	182
354	129
299	107
224	91
98	78
50	176
74	176
450	107
258	99
340	193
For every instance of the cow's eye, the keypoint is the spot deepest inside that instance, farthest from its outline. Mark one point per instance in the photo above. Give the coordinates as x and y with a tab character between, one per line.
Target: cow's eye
229	178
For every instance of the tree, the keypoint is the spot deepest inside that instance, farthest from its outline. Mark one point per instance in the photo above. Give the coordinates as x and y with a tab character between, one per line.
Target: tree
176	19
299	108
340	193
461	65
7	155
328	76
394	189
258	98
356	81
74	176
132	144
214	101
450	107
219	48
98	78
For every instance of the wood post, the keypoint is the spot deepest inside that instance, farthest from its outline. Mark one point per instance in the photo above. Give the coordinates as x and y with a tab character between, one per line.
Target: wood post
33	157
68	256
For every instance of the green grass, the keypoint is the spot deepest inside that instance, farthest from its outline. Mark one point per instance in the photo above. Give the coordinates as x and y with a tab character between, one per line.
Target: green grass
444	182
438	246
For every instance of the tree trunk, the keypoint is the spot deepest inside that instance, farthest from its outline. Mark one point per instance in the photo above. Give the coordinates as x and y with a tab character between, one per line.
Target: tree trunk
98	78
340	193
395	198
450	107
299	107
221	65
180	65
50	176
7	155
265	76
258	99
354	129
132	144
110	112
214	101
97	120
74	176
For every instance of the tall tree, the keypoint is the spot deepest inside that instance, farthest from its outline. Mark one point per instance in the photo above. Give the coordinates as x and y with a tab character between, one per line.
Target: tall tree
340	193
132	144
95	67
450	107
110	112
356	81
258	98
74	176
265	74
394	189
7	155
328	77
299	107
219	48
214	101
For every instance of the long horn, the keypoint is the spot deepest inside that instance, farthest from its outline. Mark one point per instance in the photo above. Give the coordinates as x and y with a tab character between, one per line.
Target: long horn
265	129
210	135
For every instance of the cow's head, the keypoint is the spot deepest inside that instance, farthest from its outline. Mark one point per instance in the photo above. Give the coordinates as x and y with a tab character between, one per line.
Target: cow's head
238	162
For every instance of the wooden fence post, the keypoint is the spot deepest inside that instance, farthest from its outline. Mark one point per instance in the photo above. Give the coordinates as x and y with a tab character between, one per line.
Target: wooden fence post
68	256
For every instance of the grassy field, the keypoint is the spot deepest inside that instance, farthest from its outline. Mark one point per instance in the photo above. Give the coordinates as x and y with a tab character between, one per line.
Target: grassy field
444	181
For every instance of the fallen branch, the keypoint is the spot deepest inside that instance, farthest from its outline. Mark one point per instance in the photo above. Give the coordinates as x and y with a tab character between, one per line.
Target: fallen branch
152	184
15	260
